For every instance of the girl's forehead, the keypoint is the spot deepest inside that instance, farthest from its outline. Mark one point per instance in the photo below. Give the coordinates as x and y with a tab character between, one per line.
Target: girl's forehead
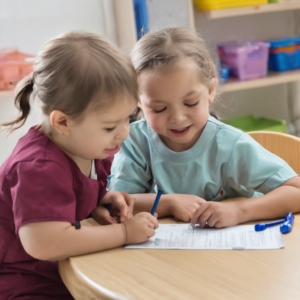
116	108
120	107
178	80
182	65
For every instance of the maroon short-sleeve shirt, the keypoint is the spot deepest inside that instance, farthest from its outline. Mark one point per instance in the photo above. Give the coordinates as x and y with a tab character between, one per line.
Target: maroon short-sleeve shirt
39	182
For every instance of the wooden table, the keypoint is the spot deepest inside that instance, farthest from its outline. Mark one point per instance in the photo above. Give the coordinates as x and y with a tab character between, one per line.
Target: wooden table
186	274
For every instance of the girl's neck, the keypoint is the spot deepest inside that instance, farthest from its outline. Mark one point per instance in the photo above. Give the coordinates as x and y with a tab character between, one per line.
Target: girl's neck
83	164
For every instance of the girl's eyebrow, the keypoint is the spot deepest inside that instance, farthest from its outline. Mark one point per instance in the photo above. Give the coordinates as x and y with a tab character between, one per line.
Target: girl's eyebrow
106	122
114	121
189	94
156	100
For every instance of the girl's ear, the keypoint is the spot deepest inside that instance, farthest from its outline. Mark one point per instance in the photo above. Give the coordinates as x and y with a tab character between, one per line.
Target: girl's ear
212	91
60	122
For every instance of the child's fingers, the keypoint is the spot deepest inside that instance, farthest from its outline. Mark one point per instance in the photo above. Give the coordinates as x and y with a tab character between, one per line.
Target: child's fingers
213	220
205	217
130	203
153	220
111	220
126	212
197	213
107	220
219	224
119	202
151	232
128	199
151	225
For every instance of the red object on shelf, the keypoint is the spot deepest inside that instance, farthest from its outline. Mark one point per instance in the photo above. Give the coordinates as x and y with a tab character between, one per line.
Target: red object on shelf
14	66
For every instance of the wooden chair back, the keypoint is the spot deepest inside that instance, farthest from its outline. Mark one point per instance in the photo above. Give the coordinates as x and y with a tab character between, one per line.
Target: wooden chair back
283	145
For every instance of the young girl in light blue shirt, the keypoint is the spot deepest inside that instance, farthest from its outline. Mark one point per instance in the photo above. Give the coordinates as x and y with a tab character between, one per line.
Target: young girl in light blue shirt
181	148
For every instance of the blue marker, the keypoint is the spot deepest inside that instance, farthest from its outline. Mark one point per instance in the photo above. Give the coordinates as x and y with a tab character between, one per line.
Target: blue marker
159	192
286	227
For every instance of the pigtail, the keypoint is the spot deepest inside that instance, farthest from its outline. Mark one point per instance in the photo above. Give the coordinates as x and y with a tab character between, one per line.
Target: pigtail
22	96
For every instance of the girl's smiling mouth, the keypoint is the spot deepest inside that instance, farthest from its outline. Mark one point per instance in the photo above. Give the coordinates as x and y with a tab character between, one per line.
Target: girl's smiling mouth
181	131
113	151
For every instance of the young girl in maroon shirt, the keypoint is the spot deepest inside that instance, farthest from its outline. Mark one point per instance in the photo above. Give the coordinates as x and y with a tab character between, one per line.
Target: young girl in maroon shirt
57	174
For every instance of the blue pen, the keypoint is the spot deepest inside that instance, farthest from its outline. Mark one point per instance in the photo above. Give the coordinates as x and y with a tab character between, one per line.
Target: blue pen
159	192
286	227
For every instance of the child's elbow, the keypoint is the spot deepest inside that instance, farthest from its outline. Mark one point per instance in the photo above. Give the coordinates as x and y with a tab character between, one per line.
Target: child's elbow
39	246
34	249
42	252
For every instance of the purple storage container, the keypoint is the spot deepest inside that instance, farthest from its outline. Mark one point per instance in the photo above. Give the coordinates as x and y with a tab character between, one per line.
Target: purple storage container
246	61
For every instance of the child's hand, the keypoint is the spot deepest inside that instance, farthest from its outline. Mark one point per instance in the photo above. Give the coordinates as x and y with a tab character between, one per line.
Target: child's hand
140	228
216	214
115	207
183	206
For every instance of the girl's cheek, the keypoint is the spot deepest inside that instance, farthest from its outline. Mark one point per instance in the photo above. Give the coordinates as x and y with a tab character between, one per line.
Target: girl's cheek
157	121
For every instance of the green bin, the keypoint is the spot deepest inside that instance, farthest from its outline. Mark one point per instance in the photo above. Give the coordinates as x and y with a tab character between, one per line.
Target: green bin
249	123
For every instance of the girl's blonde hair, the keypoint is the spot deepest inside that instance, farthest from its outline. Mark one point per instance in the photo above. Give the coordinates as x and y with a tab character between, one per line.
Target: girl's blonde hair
166	47
68	74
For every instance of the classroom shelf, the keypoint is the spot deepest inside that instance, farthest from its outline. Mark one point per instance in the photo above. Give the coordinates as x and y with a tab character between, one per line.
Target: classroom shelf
250	10
273	78
6	93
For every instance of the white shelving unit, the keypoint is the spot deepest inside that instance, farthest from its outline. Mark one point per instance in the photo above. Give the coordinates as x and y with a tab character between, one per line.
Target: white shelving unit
6	93
250	10
273	78
277	94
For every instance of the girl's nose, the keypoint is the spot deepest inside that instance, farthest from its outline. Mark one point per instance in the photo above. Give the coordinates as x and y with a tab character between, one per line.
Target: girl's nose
123	133
177	117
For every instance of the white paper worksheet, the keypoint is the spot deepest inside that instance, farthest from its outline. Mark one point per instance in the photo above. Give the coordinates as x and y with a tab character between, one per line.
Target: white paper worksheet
243	237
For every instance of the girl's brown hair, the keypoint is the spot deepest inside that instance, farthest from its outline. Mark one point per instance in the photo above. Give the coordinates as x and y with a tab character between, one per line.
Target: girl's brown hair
69	72
165	47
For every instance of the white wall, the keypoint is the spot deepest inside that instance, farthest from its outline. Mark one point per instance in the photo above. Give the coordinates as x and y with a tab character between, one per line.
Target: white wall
28	24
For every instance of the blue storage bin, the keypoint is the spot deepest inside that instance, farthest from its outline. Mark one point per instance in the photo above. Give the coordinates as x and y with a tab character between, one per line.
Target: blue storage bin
284	54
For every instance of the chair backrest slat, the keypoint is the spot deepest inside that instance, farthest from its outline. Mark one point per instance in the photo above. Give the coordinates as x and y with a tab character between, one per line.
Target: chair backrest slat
283	145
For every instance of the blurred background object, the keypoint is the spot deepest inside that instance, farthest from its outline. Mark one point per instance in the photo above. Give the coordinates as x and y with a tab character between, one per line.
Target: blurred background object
14	66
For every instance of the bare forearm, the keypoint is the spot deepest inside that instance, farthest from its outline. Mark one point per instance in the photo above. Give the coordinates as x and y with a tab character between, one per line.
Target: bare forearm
144	202
60	240
275	204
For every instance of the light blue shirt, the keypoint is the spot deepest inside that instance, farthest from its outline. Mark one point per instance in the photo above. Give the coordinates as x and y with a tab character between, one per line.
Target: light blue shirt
224	162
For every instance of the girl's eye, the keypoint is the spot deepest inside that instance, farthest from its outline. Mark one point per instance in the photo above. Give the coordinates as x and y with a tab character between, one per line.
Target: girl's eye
110	129
190	105
159	111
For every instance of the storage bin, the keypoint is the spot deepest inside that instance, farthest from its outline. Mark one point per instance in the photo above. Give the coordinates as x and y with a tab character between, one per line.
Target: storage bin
203	5
250	123
13	67
284	54
245	61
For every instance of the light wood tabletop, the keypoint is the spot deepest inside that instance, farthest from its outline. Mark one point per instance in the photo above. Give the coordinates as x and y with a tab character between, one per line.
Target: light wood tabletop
186	274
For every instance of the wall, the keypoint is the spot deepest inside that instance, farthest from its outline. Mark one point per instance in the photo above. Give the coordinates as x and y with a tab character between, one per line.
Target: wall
28	24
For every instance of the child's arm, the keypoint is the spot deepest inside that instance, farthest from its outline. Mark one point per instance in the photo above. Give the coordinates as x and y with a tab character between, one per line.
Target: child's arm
274	204
60	240
180	206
